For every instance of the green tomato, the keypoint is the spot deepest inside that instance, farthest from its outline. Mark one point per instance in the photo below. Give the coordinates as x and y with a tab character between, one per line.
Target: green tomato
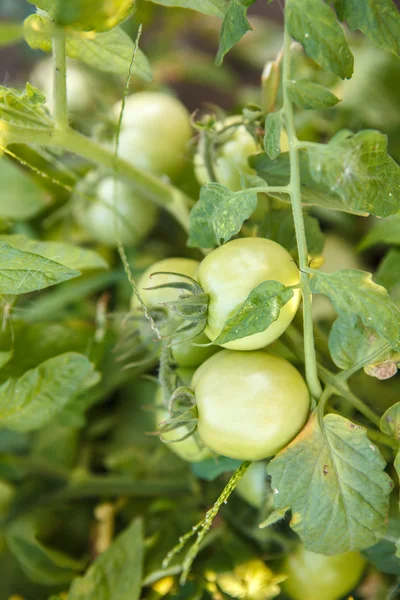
99	15
155	132
192	448
250	404
184	352
229	273
109	215
316	577
231	158
252	487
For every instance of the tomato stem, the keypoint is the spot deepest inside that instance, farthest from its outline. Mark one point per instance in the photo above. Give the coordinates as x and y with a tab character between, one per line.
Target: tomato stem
295	193
60	83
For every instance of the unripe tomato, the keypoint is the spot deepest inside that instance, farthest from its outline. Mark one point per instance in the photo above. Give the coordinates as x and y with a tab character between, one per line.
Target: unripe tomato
250	404
80	87
109	215
252	487
316	577
185	353
228	275
155	132
231	159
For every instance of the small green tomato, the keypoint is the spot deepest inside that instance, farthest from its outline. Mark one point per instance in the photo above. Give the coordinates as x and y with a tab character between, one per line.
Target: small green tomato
155	132
318	577
228	275
115	213
250	404
252	487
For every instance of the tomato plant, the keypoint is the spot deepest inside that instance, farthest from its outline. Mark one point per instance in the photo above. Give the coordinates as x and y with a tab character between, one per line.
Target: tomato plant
200	299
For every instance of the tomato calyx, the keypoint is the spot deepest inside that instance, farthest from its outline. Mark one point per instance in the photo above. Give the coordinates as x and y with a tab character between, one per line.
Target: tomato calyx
183	412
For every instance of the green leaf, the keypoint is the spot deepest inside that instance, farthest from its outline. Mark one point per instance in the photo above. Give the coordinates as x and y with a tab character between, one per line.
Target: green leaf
211	468
10	33
390	422
352	292
309	95
333	479
31	401
383	554
234	26
68	255
377	19
388	274
23	108
274	517
218	215
384	232
261	308
40	562
213	8
111	51
117	573
28	199
351	342
272	144
314	25
287	235
22	272
358	168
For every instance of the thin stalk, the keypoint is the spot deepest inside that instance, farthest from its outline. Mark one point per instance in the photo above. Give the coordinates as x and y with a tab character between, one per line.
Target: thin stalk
60	83
295	192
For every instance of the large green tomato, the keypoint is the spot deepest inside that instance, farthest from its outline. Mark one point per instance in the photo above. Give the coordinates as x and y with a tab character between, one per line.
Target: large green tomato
155	132
108	216
250	404
231	158
185	353
228	275
318	577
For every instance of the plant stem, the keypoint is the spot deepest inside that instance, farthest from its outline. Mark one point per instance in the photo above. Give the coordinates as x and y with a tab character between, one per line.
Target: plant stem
151	187
295	192
60	83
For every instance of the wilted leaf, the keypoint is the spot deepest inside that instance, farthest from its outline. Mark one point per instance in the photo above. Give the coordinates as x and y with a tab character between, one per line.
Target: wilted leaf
258	311
234	26
68	255
28	199
31	401
313	23
218	215
309	95
272	145
352	292
22	272
333	479
117	573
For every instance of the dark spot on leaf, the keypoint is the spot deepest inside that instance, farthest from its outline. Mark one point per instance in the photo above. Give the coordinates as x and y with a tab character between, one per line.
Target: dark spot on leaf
325	470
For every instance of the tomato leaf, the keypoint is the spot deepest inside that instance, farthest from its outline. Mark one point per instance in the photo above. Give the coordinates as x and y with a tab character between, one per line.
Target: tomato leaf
234	26
213	8
10	33
23	108
286	236
351	342
273	125
116	574
377	19
384	232
352	292
22	272
28	199
390	422
218	215
211	468
42	563
31	401
111	51
309	95
383	554
261	308
388	274
333	479
313	23
68	255
358	169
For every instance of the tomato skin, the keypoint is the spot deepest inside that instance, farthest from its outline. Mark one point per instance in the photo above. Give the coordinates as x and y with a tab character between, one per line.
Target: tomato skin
155	132
229	273
128	215
185	353
250	404
252	486
316	577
